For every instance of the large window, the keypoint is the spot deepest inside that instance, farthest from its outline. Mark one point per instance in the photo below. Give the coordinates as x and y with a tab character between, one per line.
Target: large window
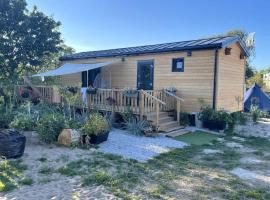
177	64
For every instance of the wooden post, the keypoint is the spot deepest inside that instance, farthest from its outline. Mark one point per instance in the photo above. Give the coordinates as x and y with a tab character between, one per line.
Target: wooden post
157	115
141	104
56	97
178	110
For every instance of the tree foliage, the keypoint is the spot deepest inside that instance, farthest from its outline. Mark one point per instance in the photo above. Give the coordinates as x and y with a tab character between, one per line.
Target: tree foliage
256	78
28	39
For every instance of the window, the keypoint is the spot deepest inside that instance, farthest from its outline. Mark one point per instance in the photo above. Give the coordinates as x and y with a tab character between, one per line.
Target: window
177	64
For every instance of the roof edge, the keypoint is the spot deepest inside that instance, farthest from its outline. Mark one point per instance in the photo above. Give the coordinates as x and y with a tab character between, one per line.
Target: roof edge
236	39
206	47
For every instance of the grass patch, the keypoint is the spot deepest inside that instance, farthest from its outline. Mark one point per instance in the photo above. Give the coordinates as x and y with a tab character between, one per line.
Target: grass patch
160	176
26	181
197	138
98	178
260	144
158	191
45	170
11	174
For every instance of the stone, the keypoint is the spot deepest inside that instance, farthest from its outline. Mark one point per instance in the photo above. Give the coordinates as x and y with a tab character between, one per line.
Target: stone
211	151
68	137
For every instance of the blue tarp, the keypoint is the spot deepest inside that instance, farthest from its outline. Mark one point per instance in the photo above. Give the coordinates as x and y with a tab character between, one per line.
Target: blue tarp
255	96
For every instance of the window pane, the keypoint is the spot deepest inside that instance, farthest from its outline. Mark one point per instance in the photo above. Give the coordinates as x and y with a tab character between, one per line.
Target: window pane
179	65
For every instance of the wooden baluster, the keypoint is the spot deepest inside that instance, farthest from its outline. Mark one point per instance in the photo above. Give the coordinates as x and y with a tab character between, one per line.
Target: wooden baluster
178	111
157	115
141	104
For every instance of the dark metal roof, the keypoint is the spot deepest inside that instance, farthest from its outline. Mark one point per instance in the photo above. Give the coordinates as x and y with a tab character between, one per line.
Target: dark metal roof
207	43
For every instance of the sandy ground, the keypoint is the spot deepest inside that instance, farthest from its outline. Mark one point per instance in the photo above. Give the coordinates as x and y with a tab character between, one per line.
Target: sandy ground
53	186
56	186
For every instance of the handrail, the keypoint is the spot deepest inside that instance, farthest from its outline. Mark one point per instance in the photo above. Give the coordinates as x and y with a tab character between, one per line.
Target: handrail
153	97
173	95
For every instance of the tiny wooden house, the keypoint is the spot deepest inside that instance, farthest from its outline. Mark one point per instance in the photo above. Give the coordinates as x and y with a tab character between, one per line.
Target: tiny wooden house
211	69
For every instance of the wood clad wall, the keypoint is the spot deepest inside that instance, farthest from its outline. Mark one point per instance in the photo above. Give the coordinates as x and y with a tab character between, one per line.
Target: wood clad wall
71	79
231	78
196	82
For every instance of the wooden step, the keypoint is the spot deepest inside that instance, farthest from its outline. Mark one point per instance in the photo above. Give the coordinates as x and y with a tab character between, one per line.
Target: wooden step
172	125
177	133
175	128
165	119
152	116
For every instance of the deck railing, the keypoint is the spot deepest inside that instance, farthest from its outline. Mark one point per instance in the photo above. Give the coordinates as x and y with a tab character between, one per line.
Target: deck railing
142	103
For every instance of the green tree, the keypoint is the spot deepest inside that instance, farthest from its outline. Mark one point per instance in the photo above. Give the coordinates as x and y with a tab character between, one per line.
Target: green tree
256	78
27	40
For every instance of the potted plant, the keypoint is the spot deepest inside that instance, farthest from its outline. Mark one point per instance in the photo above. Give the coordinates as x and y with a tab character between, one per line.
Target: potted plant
171	90
131	93
91	90
95	130
214	120
73	90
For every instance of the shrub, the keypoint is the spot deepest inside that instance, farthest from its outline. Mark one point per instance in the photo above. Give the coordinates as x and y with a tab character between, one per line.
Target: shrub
239	117
50	126
256	113
23	123
184	119
76	122
5	119
96	124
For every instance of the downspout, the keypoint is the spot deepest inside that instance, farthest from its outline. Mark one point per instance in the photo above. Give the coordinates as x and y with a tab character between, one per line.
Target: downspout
215	79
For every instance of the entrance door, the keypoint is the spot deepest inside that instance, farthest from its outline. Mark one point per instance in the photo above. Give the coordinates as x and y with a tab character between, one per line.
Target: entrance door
88	79
145	75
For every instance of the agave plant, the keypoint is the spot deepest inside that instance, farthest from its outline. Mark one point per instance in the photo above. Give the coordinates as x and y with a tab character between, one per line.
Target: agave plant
136	127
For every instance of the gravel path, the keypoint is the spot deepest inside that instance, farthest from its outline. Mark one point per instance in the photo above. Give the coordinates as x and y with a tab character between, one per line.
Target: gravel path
138	147
260	129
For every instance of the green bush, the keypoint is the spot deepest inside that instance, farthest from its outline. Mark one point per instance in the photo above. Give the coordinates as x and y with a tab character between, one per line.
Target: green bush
96	124
239	117
184	119
256	113
50	126
5	119
77	122
23	123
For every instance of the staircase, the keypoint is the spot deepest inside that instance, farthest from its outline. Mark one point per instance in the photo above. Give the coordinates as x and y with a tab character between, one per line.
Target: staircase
167	124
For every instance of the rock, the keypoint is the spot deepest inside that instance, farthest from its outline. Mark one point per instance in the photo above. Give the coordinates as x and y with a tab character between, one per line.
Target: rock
239	139
211	151
250	160
234	145
68	137
220	139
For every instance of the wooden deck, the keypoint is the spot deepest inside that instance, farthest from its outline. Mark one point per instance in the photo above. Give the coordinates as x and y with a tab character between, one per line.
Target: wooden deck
147	104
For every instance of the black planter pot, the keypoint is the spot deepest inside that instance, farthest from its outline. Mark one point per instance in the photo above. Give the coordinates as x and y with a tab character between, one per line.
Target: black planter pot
214	125
12	144
96	139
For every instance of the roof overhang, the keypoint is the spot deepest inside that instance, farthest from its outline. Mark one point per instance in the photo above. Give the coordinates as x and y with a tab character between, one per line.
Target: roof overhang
71	68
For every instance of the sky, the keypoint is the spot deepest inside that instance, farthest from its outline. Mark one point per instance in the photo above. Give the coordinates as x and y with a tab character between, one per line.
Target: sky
104	24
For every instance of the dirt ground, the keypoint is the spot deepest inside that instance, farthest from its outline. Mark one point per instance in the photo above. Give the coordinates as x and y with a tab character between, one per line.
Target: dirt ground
231	167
